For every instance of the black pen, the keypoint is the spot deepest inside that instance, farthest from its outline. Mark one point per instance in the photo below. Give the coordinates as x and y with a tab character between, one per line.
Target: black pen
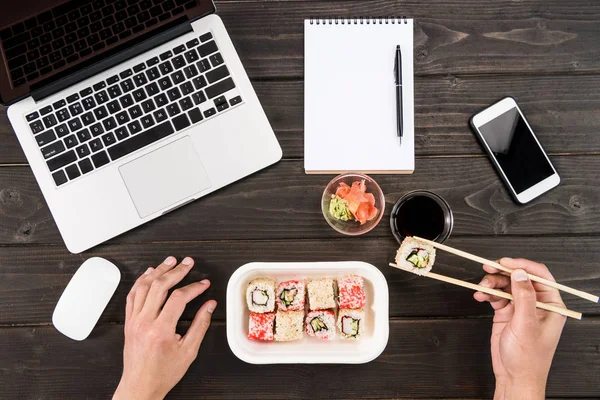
398	78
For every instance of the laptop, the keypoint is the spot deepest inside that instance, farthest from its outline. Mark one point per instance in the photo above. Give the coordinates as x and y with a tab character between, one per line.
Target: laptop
128	109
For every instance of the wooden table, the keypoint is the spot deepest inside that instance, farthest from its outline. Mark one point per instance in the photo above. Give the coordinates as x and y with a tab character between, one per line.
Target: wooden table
545	53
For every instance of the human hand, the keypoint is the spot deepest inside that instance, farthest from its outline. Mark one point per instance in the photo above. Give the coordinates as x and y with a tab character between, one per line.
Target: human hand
155	357
524	338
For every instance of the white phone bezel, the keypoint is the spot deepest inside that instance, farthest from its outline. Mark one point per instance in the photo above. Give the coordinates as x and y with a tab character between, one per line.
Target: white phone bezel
493	112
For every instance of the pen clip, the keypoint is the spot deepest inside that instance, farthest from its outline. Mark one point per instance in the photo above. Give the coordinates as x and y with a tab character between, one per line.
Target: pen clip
396	64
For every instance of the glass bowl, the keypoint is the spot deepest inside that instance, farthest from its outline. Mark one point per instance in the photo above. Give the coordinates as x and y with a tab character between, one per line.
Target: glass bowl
352	228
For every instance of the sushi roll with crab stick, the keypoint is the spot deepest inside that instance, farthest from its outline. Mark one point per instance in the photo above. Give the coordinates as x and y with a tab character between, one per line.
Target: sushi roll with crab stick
416	256
260	295
350	323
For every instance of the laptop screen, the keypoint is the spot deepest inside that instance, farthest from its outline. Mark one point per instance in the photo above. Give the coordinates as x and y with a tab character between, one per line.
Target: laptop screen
42	41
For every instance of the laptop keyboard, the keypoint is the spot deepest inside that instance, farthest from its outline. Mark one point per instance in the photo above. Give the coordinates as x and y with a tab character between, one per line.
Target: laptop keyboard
76	29
128	111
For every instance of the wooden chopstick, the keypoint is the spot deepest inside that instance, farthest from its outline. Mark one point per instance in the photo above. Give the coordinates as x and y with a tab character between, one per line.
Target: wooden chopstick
472	257
494	292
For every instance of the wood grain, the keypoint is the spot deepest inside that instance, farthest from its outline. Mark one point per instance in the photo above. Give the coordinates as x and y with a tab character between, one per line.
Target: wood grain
455	37
564	111
282	202
41	363
33	278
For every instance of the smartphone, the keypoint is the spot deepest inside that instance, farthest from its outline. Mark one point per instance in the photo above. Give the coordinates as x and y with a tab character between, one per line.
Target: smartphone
514	149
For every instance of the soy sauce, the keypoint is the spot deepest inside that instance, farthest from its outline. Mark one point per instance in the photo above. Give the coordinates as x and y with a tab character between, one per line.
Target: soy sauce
419	216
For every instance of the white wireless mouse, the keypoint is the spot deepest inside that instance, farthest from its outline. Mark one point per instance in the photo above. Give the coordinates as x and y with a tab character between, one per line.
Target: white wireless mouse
85	298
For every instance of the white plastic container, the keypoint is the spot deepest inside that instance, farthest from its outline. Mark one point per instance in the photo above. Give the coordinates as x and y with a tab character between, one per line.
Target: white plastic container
309	350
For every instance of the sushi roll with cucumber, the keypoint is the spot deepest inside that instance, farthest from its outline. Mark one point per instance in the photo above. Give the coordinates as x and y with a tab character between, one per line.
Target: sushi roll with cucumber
417	256
260	295
321	324
260	326
351	323
290	296
288	326
321	294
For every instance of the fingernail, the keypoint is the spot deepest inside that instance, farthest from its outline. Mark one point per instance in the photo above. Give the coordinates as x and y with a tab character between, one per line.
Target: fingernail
187	261
205	281
148	271
169	260
485	282
211	308
519	275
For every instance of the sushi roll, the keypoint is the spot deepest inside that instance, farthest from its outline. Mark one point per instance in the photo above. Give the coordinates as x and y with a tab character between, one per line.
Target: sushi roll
351	292
417	256
288	325
321	324
321	294
260	295
261	326
290	296
350	323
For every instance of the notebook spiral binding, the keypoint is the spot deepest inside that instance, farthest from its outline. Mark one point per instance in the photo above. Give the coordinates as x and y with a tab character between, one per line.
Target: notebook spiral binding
358	20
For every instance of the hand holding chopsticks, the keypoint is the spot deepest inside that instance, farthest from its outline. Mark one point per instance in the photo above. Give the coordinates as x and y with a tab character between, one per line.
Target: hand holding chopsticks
500	267
493	292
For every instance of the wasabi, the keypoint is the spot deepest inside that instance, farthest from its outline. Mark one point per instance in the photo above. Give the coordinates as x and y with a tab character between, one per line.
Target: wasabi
338	207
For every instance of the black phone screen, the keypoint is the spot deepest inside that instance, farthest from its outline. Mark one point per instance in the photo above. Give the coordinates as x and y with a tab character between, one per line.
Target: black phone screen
516	150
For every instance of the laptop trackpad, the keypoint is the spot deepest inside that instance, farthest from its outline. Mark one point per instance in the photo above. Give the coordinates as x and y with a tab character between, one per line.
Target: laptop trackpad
164	177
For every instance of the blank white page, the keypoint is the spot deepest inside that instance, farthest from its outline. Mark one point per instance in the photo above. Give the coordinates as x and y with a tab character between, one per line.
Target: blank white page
350	98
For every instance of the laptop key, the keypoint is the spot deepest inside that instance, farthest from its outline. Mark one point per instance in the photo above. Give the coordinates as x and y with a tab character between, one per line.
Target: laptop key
84	135
203	65
134	127
73	98
96	145
135	112
59	104
126	73
199	97
49	121
165	68
121	133
139	94
61	130
179	49
205	37
112	79
113	107
153	73
75	124
99	85
186	103
191	56
86	92
145	138
207	48
186	88
165	83
235	100
210	112
101	97
160	115
139	67
216	59
61	160
177	77
152	61
114	91
36	127
109	124
75	109
173	94
32	116
100	112
220	88
190	71
45	138
109	139
192	43
85	166
173	109
122	117
178	62
147	121
161	100
148	106
140	79
83	150
126	101
199	82
59	178
63	115
195	115
166	55
100	159
127	86
71	141
72	171
88	118
88	103
96	129
181	121
217	74
152	89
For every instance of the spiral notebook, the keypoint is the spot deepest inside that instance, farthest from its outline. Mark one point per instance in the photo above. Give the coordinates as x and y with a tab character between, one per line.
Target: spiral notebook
350	99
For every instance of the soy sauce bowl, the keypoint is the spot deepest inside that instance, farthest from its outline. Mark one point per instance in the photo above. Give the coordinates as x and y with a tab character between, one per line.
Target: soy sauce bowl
352	228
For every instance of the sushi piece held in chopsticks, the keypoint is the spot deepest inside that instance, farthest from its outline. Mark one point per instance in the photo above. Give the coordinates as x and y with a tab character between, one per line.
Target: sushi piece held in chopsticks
415	255
290	295
260	295
351	323
321	324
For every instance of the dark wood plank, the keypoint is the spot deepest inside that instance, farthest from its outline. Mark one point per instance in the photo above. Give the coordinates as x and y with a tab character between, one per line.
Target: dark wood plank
282	202
33	278
40	362
452	37
564	110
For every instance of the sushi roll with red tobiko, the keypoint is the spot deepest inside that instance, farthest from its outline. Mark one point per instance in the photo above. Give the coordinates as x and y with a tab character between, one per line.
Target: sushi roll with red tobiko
290	295
260	326
351	292
321	324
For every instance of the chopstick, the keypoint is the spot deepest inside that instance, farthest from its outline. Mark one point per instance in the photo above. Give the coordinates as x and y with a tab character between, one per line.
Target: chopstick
493	292
472	257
